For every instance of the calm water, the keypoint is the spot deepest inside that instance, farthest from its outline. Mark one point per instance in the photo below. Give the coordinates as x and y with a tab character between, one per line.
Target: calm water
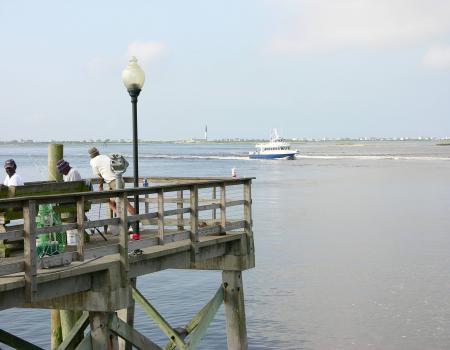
352	244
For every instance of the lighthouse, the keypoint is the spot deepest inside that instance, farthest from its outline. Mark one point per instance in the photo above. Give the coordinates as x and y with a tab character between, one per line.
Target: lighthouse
206	133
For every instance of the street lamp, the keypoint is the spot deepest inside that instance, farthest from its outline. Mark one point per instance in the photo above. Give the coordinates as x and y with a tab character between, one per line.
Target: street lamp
133	78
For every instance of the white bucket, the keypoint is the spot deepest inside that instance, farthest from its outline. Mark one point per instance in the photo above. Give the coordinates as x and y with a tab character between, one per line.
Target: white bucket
114	229
72	237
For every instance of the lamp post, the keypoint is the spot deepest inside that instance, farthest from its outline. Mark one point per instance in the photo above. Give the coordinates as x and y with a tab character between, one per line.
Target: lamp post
133	78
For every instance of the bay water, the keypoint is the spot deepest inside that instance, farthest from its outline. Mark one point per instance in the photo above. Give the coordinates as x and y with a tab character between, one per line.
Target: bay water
352	244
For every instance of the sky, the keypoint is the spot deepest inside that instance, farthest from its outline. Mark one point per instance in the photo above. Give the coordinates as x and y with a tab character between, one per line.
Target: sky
311	68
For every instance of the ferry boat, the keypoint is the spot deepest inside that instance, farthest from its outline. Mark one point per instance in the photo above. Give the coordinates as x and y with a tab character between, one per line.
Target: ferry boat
276	148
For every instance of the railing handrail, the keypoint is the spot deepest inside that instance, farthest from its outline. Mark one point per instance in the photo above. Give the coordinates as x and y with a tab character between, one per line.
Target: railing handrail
69	197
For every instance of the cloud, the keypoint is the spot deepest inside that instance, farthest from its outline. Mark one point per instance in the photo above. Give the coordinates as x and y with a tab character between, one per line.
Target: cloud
147	52
437	57
328	25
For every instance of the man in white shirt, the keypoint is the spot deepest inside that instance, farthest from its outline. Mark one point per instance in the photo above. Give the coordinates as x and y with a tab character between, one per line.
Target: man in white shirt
12	178
69	173
101	166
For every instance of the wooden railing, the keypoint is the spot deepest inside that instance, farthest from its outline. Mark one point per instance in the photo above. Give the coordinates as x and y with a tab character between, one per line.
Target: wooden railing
177	210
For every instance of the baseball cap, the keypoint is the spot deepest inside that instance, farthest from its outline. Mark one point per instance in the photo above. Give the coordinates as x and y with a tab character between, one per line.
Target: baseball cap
61	165
93	151
10	163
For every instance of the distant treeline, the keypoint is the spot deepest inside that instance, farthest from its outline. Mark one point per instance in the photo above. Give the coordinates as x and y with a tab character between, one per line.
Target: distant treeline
244	141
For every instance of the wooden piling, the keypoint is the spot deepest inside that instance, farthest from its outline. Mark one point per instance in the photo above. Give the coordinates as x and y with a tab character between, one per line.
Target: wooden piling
234	310
55	153
101	336
56	332
127	315
68	320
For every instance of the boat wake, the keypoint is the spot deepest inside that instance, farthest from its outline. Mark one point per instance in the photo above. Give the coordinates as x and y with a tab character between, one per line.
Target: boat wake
244	156
370	157
193	157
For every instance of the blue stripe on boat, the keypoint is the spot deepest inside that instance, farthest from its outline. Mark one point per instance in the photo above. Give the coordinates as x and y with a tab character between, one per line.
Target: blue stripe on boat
271	156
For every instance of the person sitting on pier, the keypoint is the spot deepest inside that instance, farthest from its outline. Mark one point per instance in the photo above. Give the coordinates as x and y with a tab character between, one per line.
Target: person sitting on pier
101	166
69	173
12	178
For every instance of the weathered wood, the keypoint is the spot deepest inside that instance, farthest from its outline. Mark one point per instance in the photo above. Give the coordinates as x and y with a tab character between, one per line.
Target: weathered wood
194	223
55	228
101	251
29	226
212	206
209	230
131	335
21	194
73	197
55	153
123	238
158	319
200	322
86	343
55	330
161	216
61	259
214	198
177	212
176	179
213	252
101	336
217	229
207	316
180	217
249	223
72	338
223	207
234	310
98	284
237	181
10	268
68	320
16	342
100	223
127	316
235	203
80	228
10	235
175	200
146	204
142	217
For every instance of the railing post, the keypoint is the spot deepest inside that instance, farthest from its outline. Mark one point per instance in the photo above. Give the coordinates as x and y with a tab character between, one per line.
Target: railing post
194	222
123	237
80	228
223	209
214	197
146	204
249	222
180	217
29	249
161	216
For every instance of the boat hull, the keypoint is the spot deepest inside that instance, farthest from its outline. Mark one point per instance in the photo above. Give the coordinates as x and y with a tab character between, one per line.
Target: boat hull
272	156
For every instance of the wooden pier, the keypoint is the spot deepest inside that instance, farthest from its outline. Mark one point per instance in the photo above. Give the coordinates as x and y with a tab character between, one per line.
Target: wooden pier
187	223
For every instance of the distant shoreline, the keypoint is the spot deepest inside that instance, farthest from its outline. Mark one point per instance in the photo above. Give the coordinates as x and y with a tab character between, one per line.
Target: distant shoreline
438	141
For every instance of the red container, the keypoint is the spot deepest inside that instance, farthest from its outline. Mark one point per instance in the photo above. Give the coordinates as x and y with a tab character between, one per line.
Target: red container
135	236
